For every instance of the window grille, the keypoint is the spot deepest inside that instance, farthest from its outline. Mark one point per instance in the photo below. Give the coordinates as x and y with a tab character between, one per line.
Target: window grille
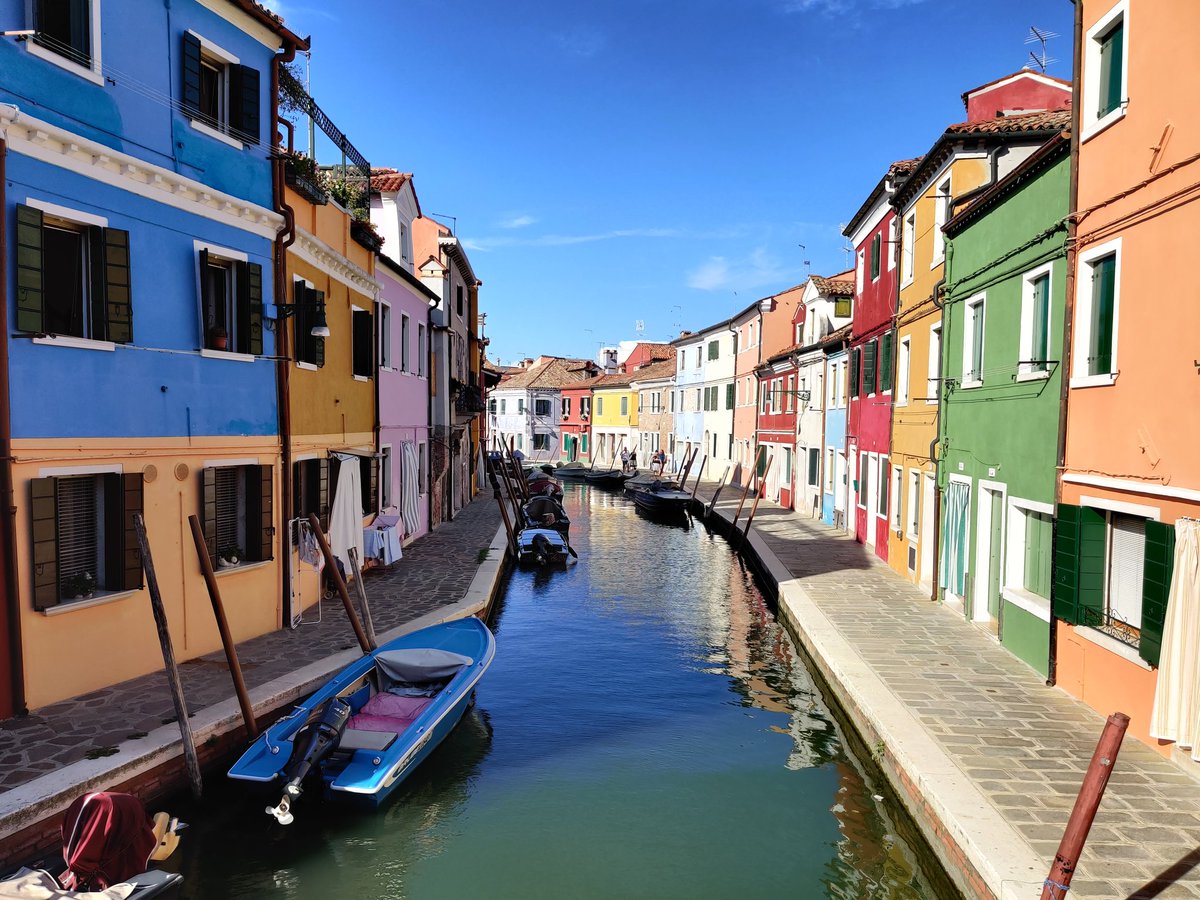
79	533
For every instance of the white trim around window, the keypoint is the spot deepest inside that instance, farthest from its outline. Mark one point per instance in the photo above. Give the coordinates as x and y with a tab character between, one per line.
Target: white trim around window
1025	351
941	214
67	214
1083	316
1092	126
93	73
975	312
218	135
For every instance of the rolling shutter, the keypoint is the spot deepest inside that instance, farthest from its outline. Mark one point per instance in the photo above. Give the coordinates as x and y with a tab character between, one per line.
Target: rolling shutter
243	102
44	539
118	300
1156	587
1079	547
30	294
191	74
208	511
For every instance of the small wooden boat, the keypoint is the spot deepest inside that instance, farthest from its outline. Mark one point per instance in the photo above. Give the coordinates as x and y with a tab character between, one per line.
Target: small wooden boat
659	498
374	722
572	472
611	478
546	512
541	484
542	547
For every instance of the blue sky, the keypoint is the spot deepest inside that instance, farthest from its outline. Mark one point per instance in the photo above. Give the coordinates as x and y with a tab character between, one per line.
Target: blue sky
625	160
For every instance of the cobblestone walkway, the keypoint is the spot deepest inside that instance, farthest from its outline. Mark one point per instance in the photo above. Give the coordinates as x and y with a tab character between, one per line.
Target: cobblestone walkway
436	571
1024	745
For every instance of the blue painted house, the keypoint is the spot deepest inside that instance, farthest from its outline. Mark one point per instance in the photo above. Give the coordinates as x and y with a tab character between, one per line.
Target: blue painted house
139	213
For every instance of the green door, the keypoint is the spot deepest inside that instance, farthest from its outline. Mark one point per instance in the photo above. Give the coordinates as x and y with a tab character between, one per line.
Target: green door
995	536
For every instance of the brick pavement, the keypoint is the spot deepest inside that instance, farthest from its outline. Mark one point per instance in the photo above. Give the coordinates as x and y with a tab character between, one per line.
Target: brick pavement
1024	745
436	571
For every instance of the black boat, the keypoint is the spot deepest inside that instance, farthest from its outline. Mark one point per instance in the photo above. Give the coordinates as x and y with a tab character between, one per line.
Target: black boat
546	512
660	498
612	478
572	472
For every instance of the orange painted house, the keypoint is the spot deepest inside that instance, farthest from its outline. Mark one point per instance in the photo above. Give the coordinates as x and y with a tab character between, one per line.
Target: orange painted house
1130	472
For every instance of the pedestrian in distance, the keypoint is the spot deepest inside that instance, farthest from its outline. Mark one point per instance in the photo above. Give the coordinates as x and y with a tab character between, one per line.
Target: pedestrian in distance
624	460
633	459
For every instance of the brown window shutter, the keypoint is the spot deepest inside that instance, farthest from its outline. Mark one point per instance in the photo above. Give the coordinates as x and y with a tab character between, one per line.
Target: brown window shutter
118	299
323	495
260	525
43	510
133	497
29	265
208	511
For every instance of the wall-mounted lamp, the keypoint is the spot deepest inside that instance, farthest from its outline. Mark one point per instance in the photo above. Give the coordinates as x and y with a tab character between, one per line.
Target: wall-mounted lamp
320	328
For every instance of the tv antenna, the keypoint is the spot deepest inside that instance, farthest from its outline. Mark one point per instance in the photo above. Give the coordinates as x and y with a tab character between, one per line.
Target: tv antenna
1040	36
639	326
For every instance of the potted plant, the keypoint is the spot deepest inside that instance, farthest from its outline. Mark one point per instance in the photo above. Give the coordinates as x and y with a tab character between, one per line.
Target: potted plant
218	339
300	171
364	231
78	586
229	557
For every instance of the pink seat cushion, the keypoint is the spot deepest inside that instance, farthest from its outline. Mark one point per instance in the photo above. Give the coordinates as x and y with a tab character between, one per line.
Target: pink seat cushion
367	722
391	705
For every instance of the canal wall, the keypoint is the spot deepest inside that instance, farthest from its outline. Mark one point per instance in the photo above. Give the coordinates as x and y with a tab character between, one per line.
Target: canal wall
151	766
982	854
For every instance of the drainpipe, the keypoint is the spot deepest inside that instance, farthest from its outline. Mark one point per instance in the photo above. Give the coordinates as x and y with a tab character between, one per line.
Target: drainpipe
8	537
933	445
1064	371
284	239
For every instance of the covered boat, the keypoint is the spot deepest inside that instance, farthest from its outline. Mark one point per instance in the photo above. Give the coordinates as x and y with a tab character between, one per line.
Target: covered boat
659	497
572	472
611	478
546	512
540	483
376	720
542	547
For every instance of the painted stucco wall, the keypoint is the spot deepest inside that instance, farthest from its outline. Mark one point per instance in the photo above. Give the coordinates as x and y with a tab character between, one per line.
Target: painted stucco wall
835	432
689	416
810	427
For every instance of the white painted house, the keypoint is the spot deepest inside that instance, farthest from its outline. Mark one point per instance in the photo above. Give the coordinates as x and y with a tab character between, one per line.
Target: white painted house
525	408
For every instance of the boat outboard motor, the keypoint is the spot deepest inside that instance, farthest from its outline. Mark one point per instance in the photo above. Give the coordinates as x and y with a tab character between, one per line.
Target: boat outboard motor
541	549
322	738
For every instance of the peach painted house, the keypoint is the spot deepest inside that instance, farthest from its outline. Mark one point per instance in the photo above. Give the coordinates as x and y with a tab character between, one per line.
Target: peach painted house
1130	495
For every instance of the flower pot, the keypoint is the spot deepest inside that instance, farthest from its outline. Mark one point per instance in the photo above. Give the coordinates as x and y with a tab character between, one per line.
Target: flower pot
228	563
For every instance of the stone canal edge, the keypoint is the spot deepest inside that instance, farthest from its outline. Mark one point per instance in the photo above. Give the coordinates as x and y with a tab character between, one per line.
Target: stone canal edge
152	766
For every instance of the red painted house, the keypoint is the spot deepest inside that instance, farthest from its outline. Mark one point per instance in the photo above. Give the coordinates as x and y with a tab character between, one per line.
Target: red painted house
872	232
644	353
576	423
777	379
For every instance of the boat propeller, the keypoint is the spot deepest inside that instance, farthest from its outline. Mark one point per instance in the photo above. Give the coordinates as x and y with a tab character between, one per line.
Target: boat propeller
322	738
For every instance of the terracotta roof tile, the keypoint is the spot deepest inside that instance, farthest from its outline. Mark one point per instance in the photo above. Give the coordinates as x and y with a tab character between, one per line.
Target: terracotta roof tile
904	166
554	373
1035	121
389	180
663	369
835	286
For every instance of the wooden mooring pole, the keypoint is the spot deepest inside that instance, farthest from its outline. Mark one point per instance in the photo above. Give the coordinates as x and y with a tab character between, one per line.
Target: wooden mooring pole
191	761
720	487
214	595
687	467
508	525
758	494
1095	780
361	589
699	473
339	582
746	490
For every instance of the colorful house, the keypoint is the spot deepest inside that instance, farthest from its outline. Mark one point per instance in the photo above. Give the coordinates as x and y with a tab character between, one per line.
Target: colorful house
775	435
527	406
1003	331
1130	483
719	347
872	233
688	405
833	494
1007	120
576	423
763	329
614	417
654	385
140	219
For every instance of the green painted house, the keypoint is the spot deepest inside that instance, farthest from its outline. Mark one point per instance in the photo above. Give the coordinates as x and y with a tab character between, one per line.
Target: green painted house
1001	383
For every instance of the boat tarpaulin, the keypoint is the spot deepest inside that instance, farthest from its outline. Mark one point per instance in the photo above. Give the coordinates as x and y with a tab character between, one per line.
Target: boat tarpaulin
107	838
420	665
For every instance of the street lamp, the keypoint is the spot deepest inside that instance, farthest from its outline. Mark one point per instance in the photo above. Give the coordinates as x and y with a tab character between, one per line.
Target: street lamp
320	328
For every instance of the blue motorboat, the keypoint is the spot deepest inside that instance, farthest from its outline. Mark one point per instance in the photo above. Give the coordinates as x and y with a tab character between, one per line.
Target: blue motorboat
374	722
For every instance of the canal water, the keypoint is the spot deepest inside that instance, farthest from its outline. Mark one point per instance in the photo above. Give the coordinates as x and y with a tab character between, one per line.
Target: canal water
647	730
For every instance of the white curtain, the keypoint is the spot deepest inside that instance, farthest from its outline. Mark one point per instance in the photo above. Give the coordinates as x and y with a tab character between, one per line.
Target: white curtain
345	515
954	538
1176	712
410	504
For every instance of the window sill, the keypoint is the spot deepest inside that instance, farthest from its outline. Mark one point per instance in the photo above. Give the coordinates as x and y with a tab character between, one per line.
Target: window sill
1112	645
969	385
306	366
62	62
228	354
96	600
362	378
1089	381
216	134
1033	376
1028	601
1099	125
76	343
244	567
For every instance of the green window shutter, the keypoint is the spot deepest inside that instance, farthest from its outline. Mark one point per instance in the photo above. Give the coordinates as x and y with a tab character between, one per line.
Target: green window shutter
843	307
208	512
1080	541
191	74
118	299
583	442
1112	49
714	349
318	343
260	513
1156	587
129	488
43	508
323	493
875	245
1040	345
729	396
855	356
870	351
243	102
1104	285
885	362
30	293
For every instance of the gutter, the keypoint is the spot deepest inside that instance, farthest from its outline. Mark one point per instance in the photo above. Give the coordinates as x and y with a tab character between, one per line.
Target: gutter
934	445
8	519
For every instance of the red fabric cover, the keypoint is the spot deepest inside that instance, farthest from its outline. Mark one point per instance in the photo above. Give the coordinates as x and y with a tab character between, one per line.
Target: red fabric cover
396	706
368	722
107	839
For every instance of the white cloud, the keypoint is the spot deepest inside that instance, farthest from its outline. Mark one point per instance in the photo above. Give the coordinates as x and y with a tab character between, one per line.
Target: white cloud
566	240
831	7
718	273
522	221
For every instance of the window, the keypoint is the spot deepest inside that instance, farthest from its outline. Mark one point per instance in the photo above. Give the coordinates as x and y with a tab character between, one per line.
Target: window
309	349
566	407
672	401
864	479
892	232
885	362
385	477
624	405
1096	320
902	369
422	470
934	380
420	349
714	349
855	356
729	389
896	499
503	406
600	405
82	536
766	397
870	352
1126	555
385	339
972	371
1035	323
790	393
230	302
236	504
882	509
876	245
914	504
520	442
1106	64
219	93
458	299
541	407
492	406
404	341
858	272
541	441
404	241
361	342
941	214
843	308
585	407
1030	568
906	247
698	360
814	466
67	34
73	275
310	489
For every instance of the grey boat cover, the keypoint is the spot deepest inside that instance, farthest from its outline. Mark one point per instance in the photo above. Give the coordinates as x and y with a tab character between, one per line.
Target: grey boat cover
420	665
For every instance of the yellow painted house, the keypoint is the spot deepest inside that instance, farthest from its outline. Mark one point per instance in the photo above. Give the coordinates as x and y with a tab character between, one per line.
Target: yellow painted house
614	416
969	157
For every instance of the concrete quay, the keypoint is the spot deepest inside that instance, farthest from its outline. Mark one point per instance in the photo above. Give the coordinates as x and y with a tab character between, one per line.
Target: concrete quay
125	737
986	757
